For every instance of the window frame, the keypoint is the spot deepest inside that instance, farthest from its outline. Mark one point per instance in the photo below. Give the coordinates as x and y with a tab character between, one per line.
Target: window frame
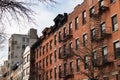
114	23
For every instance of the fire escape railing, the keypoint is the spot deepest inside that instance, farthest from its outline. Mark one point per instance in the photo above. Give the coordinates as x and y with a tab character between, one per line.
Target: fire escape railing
68	73
103	60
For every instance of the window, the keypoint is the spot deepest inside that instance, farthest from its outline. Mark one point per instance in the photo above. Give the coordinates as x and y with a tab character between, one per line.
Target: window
50	58
86	62
40	64
70	47
55	56
114	23
43	63
93	34
51	74
91	12
116	77
94	55
47	75
101	3
104	51
103	28
47	47
60	52
78	64
55	72
111	1
70	28
71	67
47	61
64	49
64	32
76	23
50	44
116	49
84	39
43	50
23	39
106	78
23	47
40	51
83	17
77	44
36	53
59	36
65	68
55	40
60	70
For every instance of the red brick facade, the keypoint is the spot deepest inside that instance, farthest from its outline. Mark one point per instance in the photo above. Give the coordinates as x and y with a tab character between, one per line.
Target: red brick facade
77	29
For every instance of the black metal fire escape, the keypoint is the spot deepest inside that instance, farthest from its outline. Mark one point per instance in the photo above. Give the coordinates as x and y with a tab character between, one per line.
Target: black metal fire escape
65	54
97	16
100	36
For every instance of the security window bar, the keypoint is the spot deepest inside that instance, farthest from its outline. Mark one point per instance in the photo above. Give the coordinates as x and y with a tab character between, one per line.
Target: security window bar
114	23
76	23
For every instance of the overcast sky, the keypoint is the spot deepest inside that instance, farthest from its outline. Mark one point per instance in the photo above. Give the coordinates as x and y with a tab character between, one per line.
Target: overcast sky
44	18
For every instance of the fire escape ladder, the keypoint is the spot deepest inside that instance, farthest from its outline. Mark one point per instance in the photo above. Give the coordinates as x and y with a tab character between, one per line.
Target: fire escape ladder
97	21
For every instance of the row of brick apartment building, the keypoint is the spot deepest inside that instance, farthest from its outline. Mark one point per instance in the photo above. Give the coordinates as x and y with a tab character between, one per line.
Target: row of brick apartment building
82	45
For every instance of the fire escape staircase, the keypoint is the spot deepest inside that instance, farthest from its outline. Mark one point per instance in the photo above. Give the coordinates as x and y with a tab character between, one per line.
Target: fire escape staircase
97	16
